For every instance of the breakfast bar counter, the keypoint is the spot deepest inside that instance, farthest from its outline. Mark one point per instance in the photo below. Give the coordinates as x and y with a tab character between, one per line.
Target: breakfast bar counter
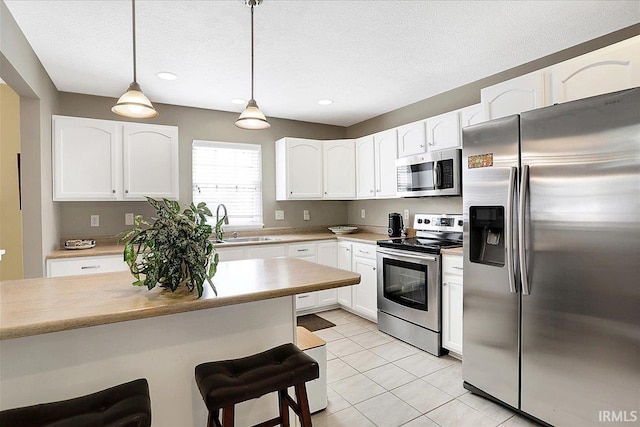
70	336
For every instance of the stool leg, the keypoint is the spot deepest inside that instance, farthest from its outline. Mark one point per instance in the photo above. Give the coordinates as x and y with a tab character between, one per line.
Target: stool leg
228	415
284	408
303	403
214	419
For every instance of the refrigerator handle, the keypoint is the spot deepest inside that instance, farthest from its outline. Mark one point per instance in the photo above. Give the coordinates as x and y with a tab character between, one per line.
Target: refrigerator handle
524	189
508	238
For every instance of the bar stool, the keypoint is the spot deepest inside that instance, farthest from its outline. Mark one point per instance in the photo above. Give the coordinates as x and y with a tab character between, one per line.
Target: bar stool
125	405
225	383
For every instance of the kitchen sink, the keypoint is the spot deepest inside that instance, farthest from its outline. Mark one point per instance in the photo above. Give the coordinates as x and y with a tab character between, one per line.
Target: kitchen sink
247	239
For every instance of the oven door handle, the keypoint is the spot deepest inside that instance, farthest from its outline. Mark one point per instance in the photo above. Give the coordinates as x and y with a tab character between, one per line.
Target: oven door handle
406	255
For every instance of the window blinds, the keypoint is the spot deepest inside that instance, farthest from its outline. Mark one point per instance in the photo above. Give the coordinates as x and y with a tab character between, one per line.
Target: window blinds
229	173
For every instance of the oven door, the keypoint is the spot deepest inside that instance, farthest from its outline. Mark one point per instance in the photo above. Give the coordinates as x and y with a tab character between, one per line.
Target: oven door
409	286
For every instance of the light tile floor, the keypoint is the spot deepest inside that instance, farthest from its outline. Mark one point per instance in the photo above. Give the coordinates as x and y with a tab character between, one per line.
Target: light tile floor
377	380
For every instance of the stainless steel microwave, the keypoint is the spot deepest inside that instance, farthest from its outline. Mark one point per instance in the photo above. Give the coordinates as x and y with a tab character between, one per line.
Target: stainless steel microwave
430	174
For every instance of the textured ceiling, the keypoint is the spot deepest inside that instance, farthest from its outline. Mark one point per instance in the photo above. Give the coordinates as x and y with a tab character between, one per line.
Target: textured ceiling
369	57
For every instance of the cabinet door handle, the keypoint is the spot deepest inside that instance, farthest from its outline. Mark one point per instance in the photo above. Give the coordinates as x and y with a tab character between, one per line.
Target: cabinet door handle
374	269
457	268
84	267
325	192
113	191
444	284
126	191
370	191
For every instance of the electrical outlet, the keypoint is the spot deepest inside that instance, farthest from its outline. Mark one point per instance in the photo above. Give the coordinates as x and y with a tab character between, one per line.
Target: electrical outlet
362	213
128	219
406	215
279	215
305	215
95	220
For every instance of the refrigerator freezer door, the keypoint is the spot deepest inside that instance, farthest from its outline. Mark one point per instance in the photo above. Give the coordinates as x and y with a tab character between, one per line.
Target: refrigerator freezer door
490	335
580	323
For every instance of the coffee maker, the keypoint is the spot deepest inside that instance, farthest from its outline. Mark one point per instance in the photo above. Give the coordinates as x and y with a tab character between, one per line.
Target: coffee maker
395	225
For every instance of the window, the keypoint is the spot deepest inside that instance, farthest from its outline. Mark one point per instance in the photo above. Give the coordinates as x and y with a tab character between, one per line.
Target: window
229	173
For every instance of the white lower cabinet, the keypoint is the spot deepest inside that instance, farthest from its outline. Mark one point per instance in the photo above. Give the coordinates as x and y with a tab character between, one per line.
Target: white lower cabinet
452	303
85	265
344	263
327	254
364	297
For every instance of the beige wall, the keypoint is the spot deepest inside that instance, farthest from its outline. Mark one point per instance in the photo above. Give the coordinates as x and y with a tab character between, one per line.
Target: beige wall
21	69
10	214
197	123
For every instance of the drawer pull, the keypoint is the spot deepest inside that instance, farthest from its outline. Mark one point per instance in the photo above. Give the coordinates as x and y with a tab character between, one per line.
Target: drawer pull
303	250
303	296
84	267
363	252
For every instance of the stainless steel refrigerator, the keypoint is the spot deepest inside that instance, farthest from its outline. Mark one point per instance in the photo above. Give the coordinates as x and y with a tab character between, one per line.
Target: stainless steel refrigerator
552	261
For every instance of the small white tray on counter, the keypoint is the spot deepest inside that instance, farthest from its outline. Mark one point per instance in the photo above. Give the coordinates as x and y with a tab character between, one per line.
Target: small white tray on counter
79	244
343	229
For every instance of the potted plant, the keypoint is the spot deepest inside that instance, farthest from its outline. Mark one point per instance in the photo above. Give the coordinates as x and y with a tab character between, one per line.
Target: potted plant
174	248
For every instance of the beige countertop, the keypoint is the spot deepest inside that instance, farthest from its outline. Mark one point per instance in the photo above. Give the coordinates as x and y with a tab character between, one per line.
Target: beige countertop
452	251
39	306
115	249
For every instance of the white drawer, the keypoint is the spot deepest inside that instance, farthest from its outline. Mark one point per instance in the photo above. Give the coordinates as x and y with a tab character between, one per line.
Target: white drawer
364	250
302	250
85	265
306	300
452	264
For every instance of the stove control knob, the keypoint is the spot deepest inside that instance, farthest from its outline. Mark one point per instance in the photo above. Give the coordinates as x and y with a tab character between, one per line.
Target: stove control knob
419	221
460	223
427	221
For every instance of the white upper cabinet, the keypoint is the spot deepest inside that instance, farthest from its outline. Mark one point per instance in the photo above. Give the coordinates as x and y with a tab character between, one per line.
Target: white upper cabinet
108	160
513	96
386	152
471	115
365	168
610	69
150	154
412	139
85	159
443	131
339	161
298	169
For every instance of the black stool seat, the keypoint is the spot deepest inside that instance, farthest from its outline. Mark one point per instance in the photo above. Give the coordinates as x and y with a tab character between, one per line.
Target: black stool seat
125	405
224	383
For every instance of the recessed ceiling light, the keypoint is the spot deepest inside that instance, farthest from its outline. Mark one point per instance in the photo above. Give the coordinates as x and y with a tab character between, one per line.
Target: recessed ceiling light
325	102
239	101
165	75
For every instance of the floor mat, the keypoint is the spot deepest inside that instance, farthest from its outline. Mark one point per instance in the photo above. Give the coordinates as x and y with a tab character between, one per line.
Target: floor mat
314	322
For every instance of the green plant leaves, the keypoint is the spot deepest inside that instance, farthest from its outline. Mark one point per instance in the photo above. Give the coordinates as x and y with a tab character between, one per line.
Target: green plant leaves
173	249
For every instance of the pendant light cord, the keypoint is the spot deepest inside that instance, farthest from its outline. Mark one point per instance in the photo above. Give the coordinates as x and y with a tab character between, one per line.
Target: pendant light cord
251	50
133	18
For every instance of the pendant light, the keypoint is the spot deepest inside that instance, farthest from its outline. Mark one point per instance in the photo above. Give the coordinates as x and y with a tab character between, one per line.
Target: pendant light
252	118
134	103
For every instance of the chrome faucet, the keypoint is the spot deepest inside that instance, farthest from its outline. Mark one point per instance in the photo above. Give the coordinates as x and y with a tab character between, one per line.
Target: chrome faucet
225	217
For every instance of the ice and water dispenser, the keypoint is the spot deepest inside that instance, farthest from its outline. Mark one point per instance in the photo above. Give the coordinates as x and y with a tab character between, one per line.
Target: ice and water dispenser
486	235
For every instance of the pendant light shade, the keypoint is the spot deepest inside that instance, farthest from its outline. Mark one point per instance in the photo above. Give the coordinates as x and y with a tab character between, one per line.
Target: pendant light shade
252	118
134	103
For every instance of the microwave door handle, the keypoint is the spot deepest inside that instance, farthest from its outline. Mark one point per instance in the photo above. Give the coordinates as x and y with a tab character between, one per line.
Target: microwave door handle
437	175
